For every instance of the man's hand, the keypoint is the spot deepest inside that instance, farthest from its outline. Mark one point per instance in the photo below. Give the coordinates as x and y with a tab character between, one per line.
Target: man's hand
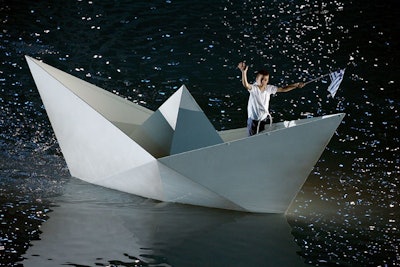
242	66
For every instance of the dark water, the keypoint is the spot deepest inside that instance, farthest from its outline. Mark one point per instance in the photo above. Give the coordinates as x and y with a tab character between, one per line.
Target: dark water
347	213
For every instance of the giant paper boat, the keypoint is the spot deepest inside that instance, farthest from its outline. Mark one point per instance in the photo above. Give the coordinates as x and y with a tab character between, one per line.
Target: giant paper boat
174	154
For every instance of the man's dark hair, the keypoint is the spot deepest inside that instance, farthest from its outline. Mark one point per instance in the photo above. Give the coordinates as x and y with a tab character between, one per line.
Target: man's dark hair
263	72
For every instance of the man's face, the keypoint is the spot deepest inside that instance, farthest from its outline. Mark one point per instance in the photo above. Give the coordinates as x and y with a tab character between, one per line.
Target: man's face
263	79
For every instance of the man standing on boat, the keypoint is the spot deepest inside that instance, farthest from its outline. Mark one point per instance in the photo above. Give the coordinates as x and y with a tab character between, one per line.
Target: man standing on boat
260	92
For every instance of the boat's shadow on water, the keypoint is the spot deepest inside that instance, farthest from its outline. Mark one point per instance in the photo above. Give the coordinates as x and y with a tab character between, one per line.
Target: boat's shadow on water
94	226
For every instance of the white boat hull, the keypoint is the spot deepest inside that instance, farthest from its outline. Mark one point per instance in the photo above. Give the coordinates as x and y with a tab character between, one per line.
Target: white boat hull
174	154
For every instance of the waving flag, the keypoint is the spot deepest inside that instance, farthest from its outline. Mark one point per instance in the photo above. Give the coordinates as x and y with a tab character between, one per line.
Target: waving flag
336	79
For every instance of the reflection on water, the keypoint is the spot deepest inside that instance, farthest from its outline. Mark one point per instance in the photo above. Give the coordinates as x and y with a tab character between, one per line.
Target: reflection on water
90	225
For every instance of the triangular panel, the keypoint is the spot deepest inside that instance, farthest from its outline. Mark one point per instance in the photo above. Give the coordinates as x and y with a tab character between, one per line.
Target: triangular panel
262	173
178	188
92	146
170	108
124	114
154	135
193	129
179	125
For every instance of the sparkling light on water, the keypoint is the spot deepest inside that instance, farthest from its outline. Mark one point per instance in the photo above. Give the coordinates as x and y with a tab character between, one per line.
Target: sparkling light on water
346	213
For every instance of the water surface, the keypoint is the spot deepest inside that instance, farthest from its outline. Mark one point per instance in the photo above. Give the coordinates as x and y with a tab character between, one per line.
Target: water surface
347	213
